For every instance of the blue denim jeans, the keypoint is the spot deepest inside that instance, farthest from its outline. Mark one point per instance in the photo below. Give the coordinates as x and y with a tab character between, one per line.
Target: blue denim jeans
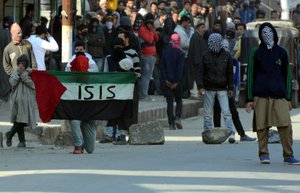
84	134
147	66
208	106
110	132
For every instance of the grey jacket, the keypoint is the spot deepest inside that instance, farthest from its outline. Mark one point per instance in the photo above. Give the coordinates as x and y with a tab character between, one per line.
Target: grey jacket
96	44
22	99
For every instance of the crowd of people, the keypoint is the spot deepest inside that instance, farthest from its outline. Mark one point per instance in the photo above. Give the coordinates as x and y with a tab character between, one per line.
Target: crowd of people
169	48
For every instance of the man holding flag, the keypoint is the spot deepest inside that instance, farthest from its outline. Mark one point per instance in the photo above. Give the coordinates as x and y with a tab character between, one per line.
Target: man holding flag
83	132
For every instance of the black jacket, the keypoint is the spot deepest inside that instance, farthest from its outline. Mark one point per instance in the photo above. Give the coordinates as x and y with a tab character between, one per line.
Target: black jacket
215	72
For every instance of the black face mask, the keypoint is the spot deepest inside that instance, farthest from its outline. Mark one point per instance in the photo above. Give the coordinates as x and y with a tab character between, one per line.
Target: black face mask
230	34
117	54
6	26
79	53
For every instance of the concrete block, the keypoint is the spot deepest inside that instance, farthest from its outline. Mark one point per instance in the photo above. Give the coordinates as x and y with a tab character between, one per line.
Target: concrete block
148	133
163	122
64	139
49	135
215	135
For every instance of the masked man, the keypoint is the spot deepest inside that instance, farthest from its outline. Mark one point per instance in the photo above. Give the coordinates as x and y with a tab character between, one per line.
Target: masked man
214	79
269	88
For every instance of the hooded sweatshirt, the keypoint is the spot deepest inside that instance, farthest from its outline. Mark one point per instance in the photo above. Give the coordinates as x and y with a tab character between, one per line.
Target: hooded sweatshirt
269	74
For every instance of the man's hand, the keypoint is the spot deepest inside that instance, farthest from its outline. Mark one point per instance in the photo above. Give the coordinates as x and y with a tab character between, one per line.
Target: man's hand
168	84
201	91
138	75
230	93
173	86
290	105
249	107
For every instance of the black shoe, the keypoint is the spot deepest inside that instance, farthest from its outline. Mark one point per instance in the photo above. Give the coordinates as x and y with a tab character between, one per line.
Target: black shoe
8	139
120	141
178	123
247	138
1	140
172	127
21	145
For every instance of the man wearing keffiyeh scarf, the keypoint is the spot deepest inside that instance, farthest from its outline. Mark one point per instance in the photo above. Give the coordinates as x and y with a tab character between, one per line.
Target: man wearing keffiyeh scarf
268	37
268	93
215	42
214	79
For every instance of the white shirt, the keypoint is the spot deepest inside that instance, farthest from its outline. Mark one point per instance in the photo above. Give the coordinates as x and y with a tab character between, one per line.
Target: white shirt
40	46
184	38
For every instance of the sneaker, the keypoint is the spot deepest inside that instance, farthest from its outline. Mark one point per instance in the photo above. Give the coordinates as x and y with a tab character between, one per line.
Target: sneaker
21	145
121	140
264	159
106	139
247	138
178	123
231	138
291	161
8	139
77	150
172	127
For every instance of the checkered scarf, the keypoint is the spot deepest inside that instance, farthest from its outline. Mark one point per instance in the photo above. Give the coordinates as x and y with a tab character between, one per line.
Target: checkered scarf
268	36
215	42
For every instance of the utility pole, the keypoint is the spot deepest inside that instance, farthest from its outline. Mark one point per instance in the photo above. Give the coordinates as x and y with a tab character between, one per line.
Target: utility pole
2	5
223	14
67	31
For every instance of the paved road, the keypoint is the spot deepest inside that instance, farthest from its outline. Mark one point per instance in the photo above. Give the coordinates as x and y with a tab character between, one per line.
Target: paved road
182	165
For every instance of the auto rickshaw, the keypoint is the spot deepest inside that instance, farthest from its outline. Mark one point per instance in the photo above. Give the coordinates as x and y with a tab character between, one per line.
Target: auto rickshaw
288	38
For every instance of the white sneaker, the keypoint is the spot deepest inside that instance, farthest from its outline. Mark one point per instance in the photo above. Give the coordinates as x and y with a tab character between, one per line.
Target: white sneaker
231	139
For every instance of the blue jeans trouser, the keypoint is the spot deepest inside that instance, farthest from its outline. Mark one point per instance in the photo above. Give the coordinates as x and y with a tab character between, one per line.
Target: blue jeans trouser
208	106
84	134
147	66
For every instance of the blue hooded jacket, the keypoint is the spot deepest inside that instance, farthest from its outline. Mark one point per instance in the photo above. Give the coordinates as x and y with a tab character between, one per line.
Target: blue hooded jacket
269	74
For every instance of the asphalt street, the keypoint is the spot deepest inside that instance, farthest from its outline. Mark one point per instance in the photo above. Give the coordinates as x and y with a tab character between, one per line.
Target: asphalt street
184	164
